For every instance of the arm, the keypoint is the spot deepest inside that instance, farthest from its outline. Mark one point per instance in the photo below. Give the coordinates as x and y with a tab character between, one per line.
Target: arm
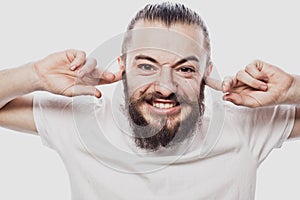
296	130
294	96
261	84
16	111
66	73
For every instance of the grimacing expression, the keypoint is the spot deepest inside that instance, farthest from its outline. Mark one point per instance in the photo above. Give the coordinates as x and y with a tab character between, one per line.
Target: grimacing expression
164	84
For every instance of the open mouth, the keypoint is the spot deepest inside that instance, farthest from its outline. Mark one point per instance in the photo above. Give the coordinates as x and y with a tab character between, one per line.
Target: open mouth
162	106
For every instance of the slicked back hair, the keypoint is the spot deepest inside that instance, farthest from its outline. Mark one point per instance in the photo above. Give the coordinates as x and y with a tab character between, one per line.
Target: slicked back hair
169	14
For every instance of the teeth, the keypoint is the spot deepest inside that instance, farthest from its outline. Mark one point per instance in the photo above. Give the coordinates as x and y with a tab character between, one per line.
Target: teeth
163	105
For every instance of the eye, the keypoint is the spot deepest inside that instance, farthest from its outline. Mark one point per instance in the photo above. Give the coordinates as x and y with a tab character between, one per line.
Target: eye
146	67
186	69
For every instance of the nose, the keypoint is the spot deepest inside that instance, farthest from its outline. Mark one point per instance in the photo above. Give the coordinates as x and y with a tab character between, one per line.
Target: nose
165	84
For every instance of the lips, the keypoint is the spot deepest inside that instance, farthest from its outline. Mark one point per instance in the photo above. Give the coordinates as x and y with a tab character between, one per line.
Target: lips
164	107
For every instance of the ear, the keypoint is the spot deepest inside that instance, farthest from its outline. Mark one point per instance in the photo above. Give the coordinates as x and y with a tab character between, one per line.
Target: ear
208	70
121	63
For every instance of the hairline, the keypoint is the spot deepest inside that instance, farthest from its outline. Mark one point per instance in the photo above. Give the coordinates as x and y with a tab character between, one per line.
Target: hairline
205	44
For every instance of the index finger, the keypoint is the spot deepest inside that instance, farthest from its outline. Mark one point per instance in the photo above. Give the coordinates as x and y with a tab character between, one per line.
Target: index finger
109	77
214	83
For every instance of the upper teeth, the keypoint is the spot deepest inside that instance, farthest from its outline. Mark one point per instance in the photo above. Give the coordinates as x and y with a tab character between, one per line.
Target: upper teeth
163	105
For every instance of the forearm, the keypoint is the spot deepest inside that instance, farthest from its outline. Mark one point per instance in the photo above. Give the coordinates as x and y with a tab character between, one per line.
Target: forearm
17	82
294	98
293	95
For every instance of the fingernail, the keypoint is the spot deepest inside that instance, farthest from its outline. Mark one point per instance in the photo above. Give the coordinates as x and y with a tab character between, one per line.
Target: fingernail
98	95
263	87
266	79
73	67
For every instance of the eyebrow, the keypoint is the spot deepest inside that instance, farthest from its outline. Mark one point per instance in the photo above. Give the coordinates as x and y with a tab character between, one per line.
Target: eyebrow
189	58
143	57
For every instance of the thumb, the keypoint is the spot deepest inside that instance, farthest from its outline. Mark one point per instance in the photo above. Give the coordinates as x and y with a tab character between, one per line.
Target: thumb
86	90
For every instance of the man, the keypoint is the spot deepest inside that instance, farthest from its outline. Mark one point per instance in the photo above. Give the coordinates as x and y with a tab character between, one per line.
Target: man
163	103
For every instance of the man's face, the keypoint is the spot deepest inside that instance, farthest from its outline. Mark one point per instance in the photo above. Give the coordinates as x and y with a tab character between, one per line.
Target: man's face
163	82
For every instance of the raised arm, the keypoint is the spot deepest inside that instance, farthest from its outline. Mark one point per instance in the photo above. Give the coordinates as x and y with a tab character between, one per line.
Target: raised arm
66	73
261	84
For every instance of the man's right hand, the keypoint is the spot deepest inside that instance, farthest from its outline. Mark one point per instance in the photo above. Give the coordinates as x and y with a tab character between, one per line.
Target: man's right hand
69	73
66	73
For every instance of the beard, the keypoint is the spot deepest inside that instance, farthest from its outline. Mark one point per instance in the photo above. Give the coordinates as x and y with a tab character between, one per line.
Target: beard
155	131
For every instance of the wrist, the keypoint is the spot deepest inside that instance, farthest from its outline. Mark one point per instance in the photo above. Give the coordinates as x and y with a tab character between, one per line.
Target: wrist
35	77
31	78
293	94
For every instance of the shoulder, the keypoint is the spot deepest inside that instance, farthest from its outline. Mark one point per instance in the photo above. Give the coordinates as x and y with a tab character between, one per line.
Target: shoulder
51	103
240	113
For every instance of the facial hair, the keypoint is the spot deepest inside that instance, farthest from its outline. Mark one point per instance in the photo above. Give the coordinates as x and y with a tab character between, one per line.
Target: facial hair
168	132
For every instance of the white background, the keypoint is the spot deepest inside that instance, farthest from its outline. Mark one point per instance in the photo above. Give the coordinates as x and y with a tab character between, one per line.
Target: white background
240	32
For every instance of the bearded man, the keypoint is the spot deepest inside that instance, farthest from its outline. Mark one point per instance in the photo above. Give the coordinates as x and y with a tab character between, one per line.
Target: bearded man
156	137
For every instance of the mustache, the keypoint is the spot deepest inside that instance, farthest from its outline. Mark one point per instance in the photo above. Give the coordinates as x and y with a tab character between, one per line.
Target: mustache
154	95
174	97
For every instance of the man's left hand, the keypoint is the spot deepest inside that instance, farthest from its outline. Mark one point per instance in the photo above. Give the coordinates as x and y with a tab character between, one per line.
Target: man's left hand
259	84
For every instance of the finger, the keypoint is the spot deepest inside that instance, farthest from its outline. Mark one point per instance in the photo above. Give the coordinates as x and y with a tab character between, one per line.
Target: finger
86	90
254	70
228	83
240	100
109	77
214	83
247	79
76	57
118	75
88	67
234	98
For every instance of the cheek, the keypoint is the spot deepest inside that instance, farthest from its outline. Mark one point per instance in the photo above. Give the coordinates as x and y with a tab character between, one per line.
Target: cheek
138	84
135	92
190	88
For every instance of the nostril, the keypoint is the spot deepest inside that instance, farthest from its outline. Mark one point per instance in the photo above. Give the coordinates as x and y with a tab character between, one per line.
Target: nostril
164	90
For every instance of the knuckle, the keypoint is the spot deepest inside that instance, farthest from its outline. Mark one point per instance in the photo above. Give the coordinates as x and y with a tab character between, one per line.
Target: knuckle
248	67
239	74
71	51
82	53
256	61
258	64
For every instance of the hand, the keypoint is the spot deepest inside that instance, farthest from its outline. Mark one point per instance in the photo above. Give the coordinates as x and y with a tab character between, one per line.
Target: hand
69	73
259	84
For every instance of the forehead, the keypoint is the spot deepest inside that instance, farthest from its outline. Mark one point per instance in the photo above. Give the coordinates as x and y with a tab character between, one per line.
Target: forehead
178	39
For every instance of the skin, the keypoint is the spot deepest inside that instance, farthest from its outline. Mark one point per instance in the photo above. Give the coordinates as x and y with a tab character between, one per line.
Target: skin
69	73
171	64
261	84
66	73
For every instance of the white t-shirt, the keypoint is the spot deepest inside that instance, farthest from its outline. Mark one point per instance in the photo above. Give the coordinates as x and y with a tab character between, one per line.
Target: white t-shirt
92	138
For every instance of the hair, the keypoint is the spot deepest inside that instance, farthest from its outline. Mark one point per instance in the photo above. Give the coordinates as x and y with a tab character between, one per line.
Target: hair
169	14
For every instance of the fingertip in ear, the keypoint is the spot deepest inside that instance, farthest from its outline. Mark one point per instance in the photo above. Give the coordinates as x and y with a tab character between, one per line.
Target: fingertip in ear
120	61
208	70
